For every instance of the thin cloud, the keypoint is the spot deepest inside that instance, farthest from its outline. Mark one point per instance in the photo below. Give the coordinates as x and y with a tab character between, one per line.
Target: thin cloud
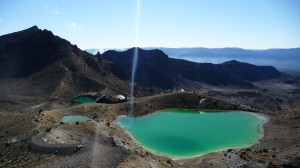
71	24
56	11
74	25
1	19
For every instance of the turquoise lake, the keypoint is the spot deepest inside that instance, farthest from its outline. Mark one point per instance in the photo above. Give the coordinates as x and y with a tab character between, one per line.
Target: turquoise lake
72	119
186	133
83	99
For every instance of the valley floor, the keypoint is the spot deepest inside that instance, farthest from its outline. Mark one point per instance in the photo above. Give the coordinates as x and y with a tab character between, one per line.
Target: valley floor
106	145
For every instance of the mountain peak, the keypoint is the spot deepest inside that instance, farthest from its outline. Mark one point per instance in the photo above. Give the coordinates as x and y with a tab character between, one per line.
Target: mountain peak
26	52
142	54
35	27
232	62
30	30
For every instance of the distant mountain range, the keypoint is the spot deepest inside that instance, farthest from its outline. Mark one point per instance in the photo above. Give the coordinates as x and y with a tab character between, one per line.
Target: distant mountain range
36	62
286	60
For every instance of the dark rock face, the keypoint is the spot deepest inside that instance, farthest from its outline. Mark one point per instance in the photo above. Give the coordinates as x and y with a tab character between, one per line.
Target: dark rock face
251	72
152	68
46	64
26	52
156	69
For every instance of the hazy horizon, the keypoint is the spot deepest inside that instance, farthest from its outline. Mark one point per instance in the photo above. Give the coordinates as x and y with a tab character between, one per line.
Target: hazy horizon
124	48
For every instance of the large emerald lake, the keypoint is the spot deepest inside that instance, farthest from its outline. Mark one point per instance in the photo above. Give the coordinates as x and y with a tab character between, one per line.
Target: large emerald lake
185	133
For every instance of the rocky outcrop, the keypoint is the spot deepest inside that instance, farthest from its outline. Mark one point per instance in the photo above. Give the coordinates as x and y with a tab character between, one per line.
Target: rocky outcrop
38	144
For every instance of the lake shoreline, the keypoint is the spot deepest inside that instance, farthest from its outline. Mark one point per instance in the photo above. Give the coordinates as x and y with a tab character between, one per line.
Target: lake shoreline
261	128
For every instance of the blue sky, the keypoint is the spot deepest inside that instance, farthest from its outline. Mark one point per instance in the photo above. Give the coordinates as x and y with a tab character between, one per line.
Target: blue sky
251	24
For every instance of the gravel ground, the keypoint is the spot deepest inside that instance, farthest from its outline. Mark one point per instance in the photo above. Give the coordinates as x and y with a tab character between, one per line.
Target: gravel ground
94	155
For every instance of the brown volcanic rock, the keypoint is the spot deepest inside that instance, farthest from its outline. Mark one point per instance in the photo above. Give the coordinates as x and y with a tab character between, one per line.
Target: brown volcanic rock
26	52
249	72
36	62
156	69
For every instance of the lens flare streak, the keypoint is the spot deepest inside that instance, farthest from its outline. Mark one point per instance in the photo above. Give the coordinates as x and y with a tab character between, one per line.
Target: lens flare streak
135	58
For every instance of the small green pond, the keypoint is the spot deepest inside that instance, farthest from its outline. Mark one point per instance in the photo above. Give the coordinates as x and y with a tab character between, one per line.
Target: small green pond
72	119
183	133
83	99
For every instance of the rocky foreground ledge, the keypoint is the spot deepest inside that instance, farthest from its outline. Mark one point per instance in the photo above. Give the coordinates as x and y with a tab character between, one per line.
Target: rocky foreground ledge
38	144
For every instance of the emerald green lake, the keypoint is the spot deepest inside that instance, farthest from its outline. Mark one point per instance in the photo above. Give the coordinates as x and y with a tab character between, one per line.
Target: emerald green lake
72	119
183	133
83	99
